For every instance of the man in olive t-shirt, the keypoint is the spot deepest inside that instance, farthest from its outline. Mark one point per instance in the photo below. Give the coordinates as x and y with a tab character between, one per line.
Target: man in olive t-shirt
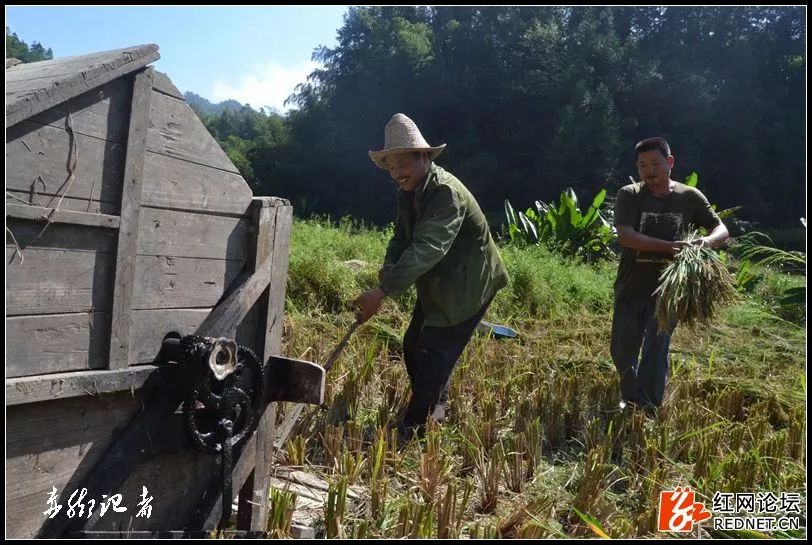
652	218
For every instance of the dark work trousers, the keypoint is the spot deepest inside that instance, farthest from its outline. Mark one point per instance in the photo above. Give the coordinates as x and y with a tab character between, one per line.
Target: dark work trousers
430	354
642	376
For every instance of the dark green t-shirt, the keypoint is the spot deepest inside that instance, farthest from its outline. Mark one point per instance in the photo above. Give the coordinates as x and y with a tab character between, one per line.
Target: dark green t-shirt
668	218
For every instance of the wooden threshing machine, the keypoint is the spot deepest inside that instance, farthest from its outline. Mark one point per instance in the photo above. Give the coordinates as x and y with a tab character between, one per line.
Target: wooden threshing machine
145	292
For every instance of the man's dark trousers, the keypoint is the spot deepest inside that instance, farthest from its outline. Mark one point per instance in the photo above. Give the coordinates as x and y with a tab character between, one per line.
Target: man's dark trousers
641	381
431	354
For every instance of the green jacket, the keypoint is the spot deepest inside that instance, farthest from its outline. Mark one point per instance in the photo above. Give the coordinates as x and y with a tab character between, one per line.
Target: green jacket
443	245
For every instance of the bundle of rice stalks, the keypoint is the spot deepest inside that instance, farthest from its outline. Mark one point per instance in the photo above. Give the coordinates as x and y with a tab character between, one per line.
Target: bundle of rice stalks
693	288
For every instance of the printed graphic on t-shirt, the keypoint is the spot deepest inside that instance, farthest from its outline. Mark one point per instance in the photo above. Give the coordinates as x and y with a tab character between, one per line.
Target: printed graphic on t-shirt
666	226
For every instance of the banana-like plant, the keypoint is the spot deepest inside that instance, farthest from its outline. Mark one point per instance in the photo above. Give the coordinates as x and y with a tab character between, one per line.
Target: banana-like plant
563	228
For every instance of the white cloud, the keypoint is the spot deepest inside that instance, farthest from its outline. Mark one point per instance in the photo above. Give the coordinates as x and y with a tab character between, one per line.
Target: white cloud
269	85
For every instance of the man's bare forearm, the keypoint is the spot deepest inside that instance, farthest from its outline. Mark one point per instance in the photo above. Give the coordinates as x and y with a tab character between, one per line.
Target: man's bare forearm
718	236
630	238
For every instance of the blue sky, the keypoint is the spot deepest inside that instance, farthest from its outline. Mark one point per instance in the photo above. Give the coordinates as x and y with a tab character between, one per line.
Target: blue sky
251	54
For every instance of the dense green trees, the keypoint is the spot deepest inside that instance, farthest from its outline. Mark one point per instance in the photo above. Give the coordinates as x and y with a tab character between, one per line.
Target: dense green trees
534	99
18	49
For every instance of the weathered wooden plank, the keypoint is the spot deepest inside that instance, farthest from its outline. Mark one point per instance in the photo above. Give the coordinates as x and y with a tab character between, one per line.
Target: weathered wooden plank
279	276
176	482
81	383
180	282
52	445
44	151
63	236
179	184
175	131
259	481
130	214
284	429
119	465
273	219
52	343
271	202
254	496
103	112
51	83
20	106
264	218
58	281
68	203
184	234
227	315
42	215
310	484
43	427
246	334
151	326
49	80
150	447
271	243
152	438
75	64
163	84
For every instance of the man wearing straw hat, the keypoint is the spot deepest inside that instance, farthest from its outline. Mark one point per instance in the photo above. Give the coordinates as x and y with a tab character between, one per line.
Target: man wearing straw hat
443	245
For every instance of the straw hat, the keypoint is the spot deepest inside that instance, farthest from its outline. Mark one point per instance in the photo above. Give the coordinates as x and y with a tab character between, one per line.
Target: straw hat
402	135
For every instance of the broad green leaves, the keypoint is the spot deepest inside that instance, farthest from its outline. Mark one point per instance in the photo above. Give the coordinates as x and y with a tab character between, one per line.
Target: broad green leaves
563	228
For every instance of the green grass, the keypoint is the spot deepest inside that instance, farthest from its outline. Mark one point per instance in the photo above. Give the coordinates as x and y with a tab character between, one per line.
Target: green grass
542	285
734	417
319	280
